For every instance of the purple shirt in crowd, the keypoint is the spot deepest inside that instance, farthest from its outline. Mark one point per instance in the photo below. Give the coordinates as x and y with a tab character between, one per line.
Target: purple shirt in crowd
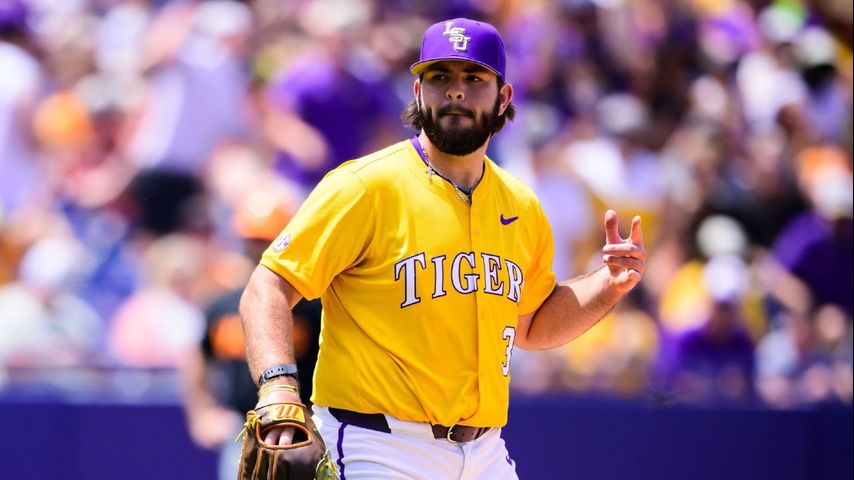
819	252
342	107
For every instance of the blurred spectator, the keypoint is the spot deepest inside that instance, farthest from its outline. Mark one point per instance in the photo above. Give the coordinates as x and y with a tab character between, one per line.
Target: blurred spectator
42	323
815	54
607	154
816	248
158	325
90	184
324	107
807	361
686	300
20	168
567	206
218	389
615	358
195	58
714	363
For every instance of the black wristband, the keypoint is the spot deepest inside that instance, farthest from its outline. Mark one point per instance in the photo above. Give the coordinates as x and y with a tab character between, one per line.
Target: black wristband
285	369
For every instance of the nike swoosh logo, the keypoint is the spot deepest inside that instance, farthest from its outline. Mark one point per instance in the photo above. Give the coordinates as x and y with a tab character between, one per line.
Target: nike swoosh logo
508	221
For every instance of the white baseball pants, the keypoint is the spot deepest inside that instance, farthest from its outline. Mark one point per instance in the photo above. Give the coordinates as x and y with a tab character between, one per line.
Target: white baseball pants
410	452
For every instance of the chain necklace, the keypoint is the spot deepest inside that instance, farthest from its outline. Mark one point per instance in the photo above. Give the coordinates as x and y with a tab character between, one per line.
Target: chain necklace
431	170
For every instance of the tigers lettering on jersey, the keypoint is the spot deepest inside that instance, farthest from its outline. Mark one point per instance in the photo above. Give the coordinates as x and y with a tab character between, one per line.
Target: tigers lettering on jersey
496	280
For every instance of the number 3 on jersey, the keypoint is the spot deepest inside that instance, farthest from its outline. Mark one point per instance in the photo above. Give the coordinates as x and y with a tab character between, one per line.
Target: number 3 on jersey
510	336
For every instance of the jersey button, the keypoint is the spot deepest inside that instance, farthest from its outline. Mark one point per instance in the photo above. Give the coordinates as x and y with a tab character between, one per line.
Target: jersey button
476	232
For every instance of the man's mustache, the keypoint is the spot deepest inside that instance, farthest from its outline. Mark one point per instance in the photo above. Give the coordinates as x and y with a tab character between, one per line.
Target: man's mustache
454	110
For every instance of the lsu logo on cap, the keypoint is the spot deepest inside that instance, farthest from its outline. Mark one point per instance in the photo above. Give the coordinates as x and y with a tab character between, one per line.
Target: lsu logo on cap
288	411
281	242
456	37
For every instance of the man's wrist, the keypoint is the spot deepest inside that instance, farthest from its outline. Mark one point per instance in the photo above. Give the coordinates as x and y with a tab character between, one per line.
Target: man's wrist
283	389
277	371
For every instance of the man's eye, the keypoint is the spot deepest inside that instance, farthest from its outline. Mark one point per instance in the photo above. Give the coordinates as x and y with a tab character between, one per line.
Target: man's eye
475	78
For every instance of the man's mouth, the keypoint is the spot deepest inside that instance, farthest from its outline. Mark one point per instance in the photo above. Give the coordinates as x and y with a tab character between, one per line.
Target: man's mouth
455	113
455	117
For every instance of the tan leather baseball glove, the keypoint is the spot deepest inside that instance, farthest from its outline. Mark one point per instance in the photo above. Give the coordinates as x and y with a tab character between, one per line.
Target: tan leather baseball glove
305	459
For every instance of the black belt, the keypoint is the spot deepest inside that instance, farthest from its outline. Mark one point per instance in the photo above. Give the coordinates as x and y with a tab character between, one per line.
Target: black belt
378	422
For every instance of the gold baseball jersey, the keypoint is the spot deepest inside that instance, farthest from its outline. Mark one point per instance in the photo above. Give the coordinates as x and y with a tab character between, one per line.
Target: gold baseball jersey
421	292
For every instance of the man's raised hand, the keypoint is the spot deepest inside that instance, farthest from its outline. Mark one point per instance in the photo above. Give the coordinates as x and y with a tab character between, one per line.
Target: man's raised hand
625	258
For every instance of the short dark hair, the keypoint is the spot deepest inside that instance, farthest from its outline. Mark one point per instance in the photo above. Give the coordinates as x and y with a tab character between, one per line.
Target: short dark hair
413	116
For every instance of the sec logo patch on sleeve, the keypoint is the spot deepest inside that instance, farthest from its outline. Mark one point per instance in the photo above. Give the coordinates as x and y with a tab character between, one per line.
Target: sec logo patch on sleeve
281	242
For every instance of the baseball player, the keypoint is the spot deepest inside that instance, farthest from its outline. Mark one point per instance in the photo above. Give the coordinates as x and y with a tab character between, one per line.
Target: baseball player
432	264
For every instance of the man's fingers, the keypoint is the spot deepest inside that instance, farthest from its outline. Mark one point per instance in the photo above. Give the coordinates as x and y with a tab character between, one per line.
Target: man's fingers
637	234
633	276
272	436
624	250
623	262
612	232
279	436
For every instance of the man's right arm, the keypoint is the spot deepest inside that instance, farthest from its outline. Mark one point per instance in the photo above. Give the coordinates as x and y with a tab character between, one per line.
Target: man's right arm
265	310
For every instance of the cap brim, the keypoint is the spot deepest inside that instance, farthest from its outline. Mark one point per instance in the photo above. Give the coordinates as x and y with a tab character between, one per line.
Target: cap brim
419	67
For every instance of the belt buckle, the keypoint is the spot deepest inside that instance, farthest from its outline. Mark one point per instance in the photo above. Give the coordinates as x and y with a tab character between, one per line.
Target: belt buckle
448	436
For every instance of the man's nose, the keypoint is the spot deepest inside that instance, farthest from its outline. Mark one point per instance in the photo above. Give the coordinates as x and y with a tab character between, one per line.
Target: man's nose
455	92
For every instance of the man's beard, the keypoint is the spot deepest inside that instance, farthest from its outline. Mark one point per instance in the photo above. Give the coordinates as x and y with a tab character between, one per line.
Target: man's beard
456	139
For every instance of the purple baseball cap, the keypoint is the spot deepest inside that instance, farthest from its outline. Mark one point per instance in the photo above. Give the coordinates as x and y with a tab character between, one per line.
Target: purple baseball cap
465	40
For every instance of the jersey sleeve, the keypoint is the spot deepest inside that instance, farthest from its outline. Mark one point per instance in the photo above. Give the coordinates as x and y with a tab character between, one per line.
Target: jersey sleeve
329	233
539	276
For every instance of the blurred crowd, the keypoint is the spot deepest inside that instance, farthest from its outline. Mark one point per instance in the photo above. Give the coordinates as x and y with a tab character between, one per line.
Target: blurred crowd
148	146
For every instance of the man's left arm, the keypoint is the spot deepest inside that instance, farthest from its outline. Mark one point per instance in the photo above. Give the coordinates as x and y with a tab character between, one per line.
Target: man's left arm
576	305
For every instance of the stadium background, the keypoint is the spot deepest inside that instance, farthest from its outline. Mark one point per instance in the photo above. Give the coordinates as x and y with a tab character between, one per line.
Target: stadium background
146	145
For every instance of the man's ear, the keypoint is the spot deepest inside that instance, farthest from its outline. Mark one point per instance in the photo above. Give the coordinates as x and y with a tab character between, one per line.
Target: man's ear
416	90
505	95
